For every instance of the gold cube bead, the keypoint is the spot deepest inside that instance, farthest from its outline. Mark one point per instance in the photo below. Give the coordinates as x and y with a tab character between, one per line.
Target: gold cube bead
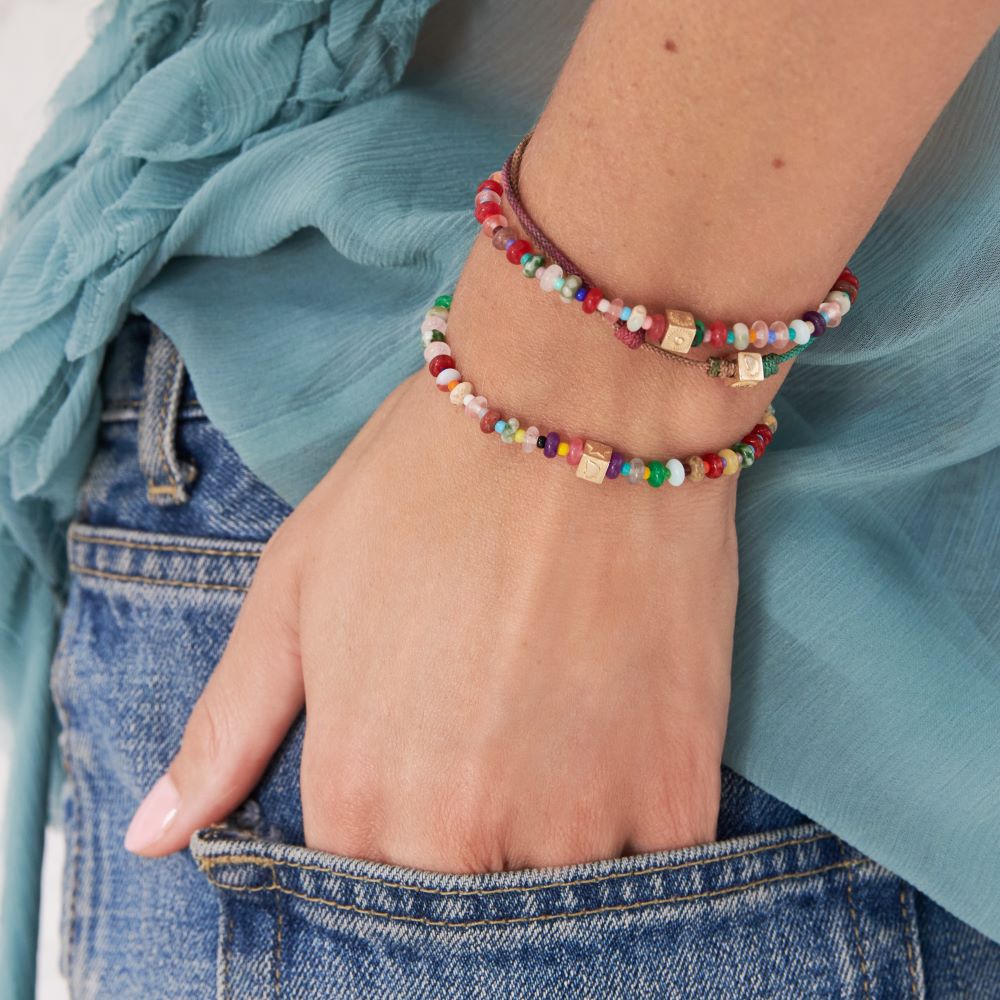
680	332
594	462
749	370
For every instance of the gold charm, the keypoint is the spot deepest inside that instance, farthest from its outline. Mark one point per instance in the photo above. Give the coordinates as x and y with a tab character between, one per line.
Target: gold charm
594	462
680	332
749	370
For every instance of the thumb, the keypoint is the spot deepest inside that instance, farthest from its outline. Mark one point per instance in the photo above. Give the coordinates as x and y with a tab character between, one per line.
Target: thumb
244	712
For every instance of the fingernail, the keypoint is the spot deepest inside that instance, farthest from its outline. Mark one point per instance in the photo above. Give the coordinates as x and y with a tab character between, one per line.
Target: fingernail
154	815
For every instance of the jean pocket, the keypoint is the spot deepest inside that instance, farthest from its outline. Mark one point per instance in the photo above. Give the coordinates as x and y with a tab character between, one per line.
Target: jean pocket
792	912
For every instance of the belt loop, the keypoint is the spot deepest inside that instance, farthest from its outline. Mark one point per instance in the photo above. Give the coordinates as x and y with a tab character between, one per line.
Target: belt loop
167	477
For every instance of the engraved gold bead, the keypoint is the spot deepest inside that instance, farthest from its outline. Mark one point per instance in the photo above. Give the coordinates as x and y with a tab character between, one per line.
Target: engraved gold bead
749	370
680	332
594	462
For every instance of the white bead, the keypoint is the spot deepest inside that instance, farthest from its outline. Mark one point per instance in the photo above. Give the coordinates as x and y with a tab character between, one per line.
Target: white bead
432	323
434	348
468	397
636	318
843	300
448	375
603	306
676	470
549	276
530	441
459	393
741	336
800	331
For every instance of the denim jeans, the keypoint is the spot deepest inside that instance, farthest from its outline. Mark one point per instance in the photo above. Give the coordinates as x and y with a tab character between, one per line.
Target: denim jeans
169	528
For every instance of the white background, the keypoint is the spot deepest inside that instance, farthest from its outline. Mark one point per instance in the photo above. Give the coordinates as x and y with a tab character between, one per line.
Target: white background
39	41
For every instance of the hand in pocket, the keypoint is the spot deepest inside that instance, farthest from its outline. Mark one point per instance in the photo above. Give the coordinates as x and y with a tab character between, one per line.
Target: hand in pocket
495	675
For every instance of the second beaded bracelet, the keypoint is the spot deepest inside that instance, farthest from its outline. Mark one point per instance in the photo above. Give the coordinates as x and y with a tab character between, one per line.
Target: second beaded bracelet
593	460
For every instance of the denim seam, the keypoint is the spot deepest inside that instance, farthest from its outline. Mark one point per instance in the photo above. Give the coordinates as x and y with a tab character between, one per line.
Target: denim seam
543	917
227	944
84	539
129	578
277	946
207	863
74	851
904	910
865	986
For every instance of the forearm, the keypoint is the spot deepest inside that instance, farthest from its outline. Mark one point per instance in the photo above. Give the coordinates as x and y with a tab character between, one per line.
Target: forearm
720	158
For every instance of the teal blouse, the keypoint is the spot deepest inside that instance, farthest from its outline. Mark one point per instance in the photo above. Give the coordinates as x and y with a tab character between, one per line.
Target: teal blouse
275	184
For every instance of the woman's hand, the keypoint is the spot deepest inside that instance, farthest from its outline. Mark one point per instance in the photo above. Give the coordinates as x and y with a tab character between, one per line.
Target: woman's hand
502	665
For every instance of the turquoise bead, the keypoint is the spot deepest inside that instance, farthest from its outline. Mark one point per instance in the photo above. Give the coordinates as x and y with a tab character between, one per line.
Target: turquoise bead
626	468
626	312
499	426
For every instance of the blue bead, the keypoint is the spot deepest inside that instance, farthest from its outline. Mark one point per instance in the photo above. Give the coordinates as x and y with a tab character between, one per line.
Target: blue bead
499	426
626	312
730	337
508	244
770	336
626	468
581	293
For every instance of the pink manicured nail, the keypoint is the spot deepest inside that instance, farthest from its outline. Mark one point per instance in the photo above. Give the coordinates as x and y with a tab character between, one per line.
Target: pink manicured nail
154	815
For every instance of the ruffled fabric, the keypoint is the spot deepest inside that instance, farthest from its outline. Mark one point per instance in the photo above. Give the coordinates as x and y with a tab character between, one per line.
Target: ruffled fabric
168	94
269	185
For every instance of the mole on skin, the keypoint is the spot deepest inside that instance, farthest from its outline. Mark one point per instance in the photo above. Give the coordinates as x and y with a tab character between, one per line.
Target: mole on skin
670	45
777	163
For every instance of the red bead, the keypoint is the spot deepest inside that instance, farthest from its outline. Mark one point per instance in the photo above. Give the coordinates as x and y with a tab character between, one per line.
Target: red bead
713	465
765	432
717	334
593	297
658	328
756	442
517	250
439	363
485	209
490	185
489	421
848	276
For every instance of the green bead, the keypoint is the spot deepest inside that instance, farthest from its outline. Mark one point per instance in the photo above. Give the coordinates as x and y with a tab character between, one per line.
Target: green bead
437	335
745	451
657	473
531	265
443	300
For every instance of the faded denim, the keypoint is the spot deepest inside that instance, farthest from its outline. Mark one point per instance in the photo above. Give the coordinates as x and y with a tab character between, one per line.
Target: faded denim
778	907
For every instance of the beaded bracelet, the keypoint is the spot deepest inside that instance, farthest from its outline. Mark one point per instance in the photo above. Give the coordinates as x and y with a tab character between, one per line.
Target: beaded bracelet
671	335
593	460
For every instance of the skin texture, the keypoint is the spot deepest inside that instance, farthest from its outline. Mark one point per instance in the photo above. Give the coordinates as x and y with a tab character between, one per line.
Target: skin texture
503	666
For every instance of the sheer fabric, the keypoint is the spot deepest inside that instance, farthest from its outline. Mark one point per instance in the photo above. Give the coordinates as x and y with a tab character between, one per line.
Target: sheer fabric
238	171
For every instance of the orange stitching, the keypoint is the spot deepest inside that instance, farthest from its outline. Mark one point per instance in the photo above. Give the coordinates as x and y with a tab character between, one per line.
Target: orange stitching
127	578
617	908
83	538
857	933
206	863
904	910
